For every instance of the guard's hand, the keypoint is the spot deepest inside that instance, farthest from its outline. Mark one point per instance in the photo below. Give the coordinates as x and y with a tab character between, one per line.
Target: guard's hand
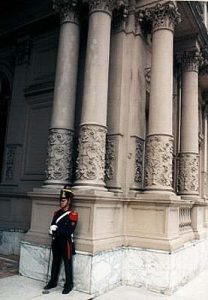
52	229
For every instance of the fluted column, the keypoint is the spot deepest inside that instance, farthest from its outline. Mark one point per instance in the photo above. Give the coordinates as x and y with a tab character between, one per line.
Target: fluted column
92	140
60	141
188	180
159	143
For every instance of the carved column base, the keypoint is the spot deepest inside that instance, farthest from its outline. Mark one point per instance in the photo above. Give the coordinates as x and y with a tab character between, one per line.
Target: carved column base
91	157
158	163
59	159
188	177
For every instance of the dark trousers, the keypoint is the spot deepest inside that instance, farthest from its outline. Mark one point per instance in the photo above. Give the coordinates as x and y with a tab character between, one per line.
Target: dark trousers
61	249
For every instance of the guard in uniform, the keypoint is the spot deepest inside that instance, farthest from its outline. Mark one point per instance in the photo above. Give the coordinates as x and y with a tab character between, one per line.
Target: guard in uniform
62	227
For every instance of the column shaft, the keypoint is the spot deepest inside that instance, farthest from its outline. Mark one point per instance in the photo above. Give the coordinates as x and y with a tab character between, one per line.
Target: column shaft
60	142
161	87
96	71
117	104
188	179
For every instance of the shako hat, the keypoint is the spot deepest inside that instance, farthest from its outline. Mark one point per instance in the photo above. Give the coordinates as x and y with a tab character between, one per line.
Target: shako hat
66	193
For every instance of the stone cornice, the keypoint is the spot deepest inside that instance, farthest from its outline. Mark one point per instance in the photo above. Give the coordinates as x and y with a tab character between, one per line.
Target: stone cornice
162	16
68	10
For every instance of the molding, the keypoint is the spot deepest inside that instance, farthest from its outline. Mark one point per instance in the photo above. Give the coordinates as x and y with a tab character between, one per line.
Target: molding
39	88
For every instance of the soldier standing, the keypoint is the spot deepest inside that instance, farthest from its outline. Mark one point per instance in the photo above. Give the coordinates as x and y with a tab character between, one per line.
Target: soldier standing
62	227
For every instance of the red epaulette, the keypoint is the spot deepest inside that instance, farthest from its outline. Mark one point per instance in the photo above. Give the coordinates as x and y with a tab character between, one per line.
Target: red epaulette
73	216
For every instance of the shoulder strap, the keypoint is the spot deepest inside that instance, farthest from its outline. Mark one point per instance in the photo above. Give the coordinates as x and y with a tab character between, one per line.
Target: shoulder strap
62	216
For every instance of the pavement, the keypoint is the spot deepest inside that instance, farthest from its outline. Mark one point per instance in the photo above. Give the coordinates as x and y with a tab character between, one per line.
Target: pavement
16	287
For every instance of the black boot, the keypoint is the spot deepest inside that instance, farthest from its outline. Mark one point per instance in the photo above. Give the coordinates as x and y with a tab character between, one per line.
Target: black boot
50	285
67	290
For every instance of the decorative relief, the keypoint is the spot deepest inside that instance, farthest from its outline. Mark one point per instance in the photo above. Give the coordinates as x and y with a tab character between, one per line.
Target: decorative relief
110	157
105	5
188	177
10	162
68	10
159	161
59	159
162	16
138	177
23	52
91	157
191	60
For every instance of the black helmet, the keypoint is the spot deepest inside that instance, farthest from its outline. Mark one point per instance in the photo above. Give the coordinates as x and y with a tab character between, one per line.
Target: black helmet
66	193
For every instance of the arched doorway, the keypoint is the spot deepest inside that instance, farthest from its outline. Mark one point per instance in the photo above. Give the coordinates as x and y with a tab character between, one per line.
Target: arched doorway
5	94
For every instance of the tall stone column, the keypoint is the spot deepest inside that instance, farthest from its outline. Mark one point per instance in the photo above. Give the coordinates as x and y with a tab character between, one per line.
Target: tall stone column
92	140
159	143
188	180
117	104
60	141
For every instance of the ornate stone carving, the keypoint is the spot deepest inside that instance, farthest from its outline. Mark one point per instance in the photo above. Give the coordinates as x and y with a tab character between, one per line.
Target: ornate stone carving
139	156
164	15
10	162
105	5
59	159
188	177
110	157
91	157
191	60
158	162
68	10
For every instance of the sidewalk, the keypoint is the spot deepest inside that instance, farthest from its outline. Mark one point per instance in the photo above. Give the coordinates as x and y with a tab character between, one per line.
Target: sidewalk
16	287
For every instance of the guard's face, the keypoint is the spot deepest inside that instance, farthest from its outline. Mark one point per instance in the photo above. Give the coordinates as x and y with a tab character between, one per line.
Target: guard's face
64	203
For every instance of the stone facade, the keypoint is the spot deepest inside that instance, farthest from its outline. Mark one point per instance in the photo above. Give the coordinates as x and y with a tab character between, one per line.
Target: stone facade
111	98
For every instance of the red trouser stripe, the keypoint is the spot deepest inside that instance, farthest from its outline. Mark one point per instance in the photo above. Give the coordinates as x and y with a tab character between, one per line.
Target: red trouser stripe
68	250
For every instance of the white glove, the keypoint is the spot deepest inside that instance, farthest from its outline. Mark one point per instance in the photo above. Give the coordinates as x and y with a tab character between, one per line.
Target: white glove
52	228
